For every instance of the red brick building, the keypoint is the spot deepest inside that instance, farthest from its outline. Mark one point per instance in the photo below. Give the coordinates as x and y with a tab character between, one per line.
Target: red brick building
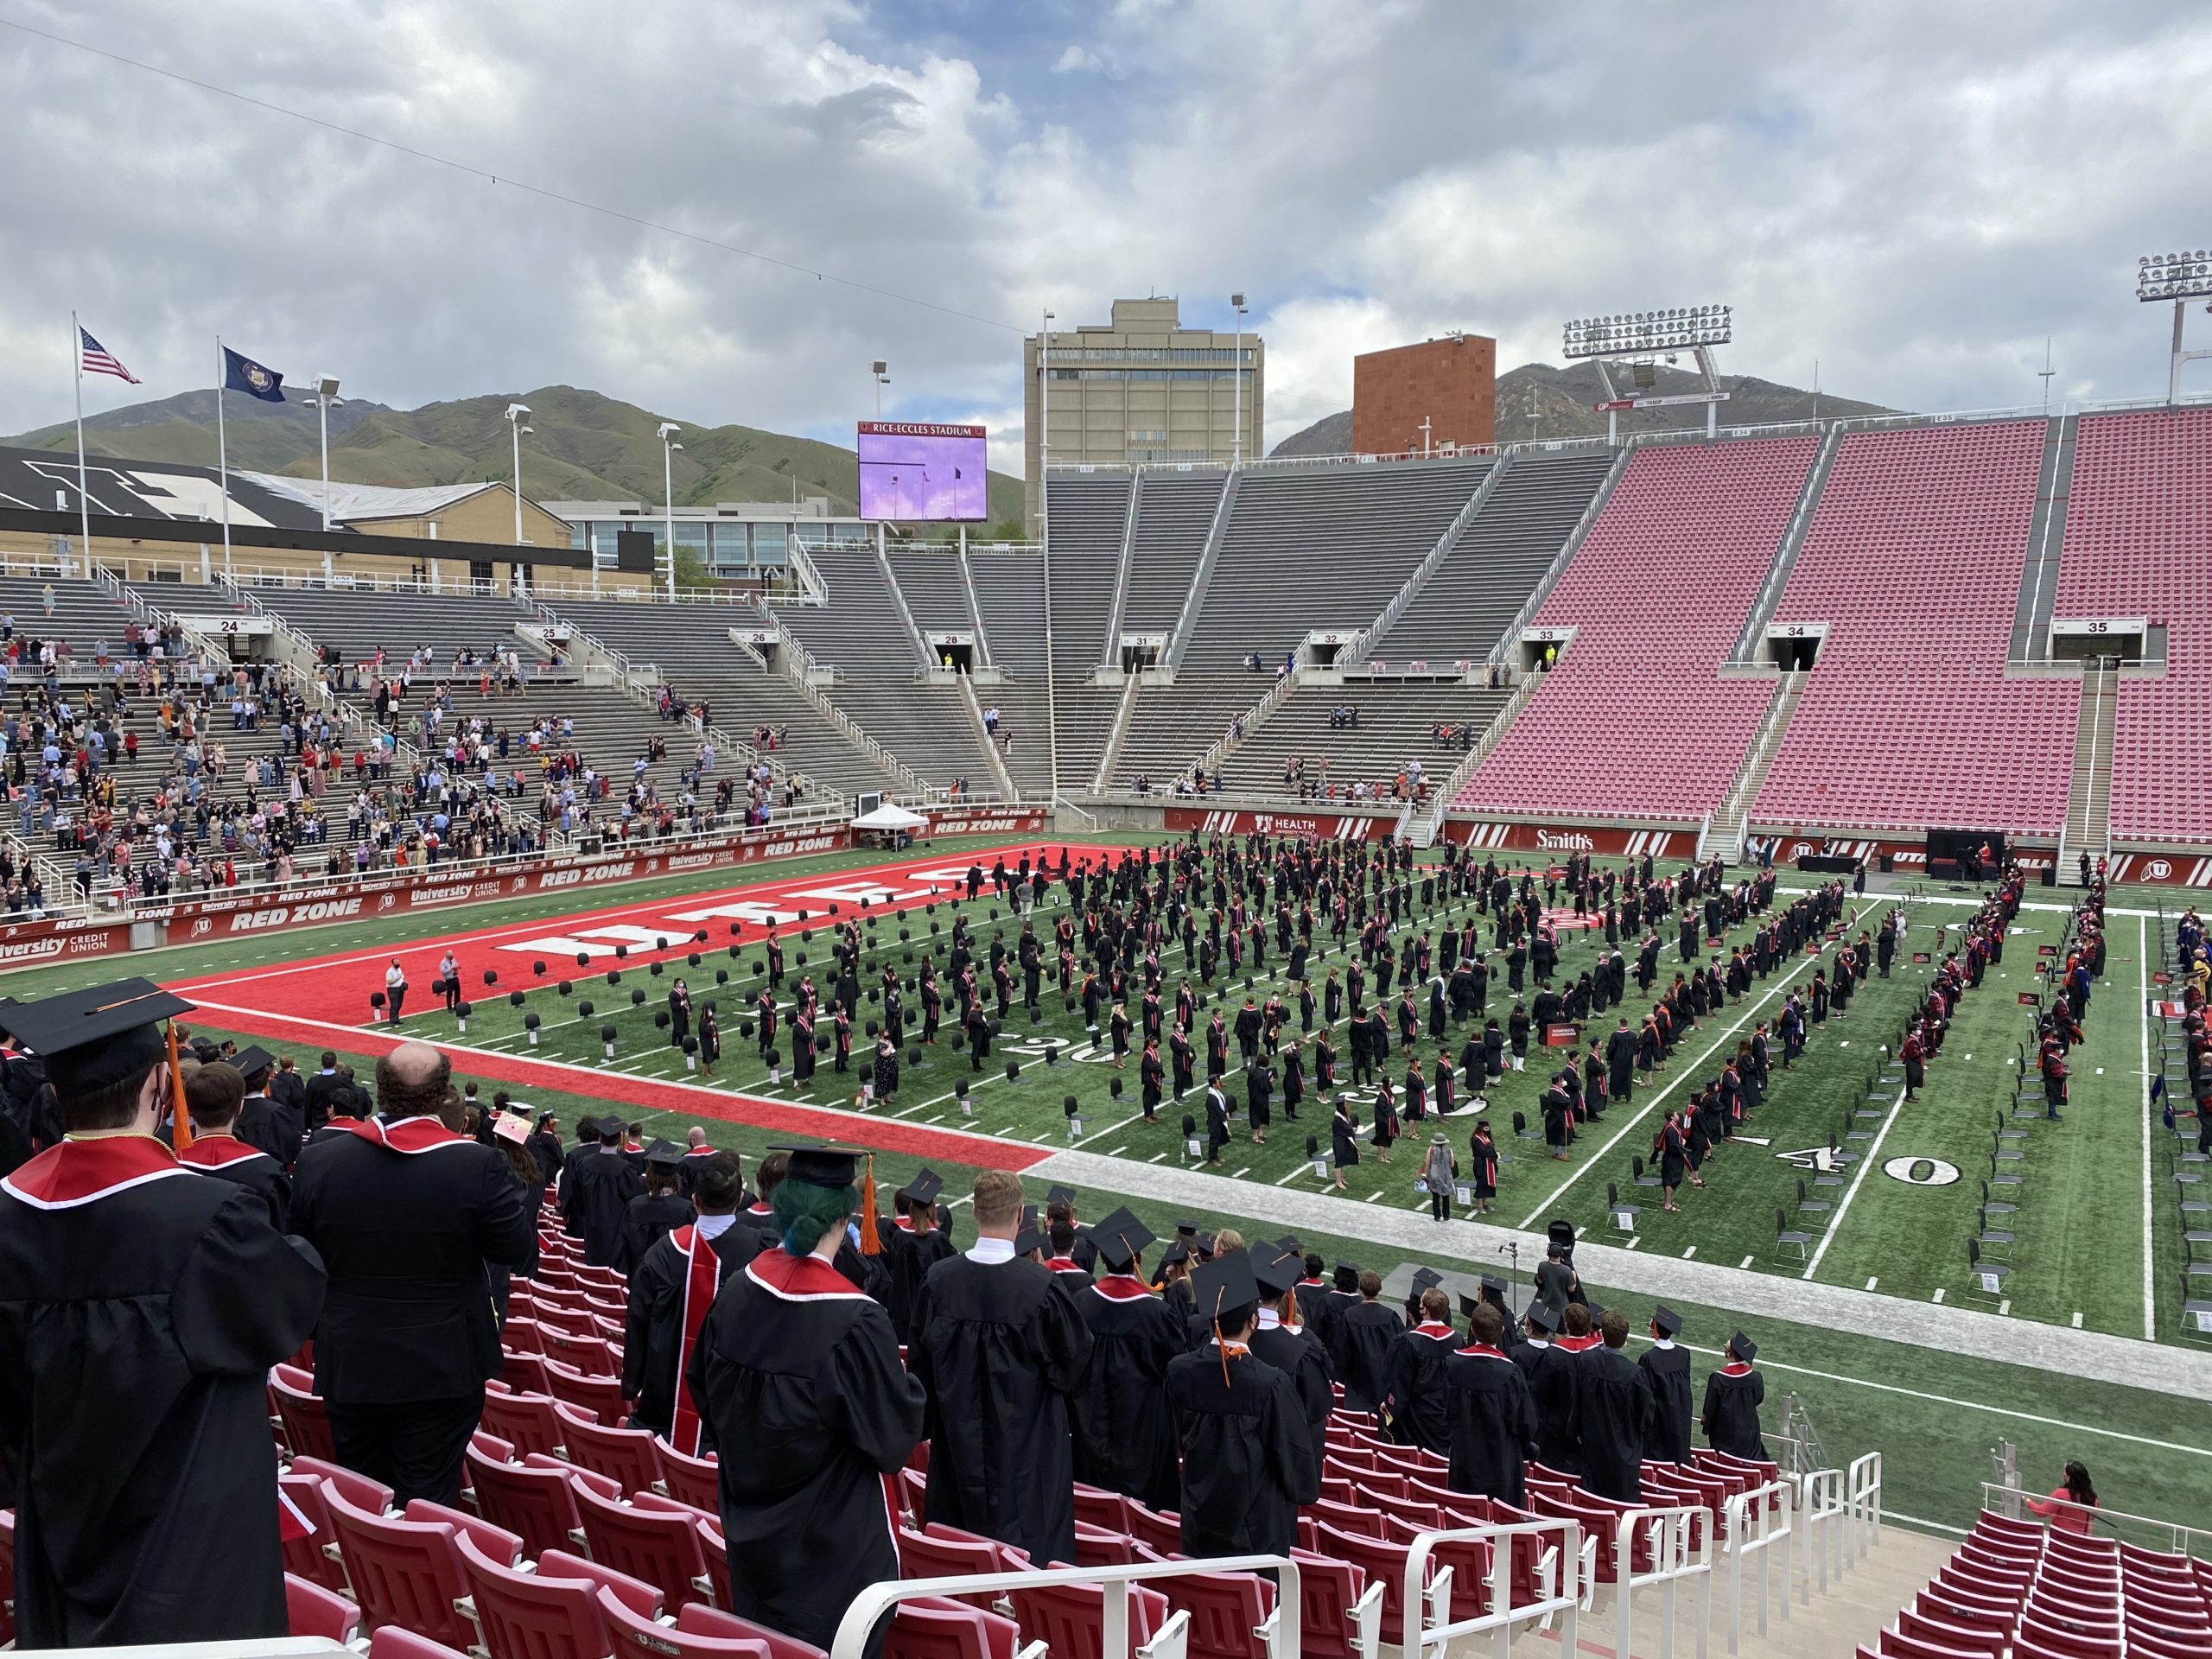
1450	383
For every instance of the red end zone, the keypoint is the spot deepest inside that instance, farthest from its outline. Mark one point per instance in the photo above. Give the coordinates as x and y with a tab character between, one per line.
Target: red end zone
323	1002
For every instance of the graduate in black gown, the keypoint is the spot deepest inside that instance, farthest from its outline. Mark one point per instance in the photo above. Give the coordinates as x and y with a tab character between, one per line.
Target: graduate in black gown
212	1095
1363	1337
144	1306
1732	1397
657	1212
1493	1415
1123	1441
1551	1385
914	1244
1415	1385
1666	1367
796	1375
1612	1410
1000	1346
672	1290
1248	1462
1280	1341
597	1183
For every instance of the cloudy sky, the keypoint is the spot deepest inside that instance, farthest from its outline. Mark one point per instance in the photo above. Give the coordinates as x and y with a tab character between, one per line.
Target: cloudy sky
1915	194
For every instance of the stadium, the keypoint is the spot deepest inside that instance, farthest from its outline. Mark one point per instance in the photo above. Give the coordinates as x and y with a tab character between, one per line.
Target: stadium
1740	872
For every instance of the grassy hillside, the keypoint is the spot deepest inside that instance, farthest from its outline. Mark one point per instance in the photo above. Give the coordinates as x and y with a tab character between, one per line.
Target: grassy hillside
584	446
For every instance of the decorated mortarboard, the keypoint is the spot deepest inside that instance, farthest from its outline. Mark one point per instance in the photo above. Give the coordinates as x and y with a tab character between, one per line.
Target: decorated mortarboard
1225	1284
832	1166
1059	1195
1029	1238
95	1038
1542	1315
1120	1239
924	1188
665	1155
1667	1319
1743	1347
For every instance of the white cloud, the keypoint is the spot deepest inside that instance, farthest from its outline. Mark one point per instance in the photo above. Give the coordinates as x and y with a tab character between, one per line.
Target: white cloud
1917	196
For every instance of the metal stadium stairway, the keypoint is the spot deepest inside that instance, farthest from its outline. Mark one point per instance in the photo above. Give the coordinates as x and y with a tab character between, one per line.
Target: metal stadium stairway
2046	536
1725	834
2089	806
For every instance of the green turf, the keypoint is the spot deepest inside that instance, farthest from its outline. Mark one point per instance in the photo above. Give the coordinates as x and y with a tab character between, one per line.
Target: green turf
1933	1416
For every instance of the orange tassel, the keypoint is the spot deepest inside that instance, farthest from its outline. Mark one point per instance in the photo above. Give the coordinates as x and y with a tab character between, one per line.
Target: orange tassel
180	1117
871	1241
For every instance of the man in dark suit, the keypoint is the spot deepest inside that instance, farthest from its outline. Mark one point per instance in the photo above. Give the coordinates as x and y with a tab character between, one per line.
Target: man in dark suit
407	1214
324	1091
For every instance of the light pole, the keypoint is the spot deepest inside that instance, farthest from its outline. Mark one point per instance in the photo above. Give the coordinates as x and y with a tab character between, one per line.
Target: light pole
881	371
668	448
1045	553
515	412
326	398
1236	388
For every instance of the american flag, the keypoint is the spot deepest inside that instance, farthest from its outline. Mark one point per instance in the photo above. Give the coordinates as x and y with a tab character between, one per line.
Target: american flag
97	359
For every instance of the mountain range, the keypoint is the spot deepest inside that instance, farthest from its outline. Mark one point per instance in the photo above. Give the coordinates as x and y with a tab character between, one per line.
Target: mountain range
582	447
1538	401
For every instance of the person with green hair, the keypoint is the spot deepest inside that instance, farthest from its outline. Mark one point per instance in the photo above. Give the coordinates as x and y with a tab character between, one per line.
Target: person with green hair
798	1377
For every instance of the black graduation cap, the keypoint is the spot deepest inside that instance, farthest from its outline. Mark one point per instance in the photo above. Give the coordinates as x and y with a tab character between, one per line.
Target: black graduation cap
1029	1238
1225	1284
1467	1305
94	1038
1289	1241
1059	1195
1669	1321
1029	1215
1542	1315
1119	1239
251	1060
1491	1282
1424	1277
1743	1347
665	1155
1279	1272
1177	1254
924	1188
1186	1230
1351	1267
1596	1312
834	1167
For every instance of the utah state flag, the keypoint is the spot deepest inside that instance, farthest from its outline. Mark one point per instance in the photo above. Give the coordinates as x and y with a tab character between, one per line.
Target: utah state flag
244	374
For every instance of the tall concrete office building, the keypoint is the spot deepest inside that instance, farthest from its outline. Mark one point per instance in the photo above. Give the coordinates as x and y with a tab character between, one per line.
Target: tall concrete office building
1144	388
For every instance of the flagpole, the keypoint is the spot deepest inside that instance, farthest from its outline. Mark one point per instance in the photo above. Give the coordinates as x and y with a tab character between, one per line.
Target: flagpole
223	454
84	507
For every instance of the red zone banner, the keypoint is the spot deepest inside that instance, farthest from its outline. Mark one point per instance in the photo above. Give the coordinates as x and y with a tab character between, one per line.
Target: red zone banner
22	943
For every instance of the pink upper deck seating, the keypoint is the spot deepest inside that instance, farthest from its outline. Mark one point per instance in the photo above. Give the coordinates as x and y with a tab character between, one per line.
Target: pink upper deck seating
1914	561
2139	544
1634	721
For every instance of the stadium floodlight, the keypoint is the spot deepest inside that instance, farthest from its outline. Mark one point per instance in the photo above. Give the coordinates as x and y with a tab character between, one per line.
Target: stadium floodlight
326	398
1236	388
2183	276
515	412
1633	334
668	448
881	371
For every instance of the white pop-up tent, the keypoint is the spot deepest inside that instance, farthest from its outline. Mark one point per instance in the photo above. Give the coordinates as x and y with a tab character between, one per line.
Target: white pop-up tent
889	817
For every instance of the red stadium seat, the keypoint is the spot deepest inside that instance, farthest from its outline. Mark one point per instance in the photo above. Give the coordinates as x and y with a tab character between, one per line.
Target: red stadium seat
1162	1531
1356	1517
601	1396
528	1422
312	1610
358	1488
1227	1611
1070	1618
662	1549
628	1457
779	1645
393	1642
689	1480
306	1426
552	1614
536	1503
937	1552
1380	1562
919	1631
637	1637
1098	1507
1468	1558
1096	1546
402	1572
1964	1638
1333	1599
304	1557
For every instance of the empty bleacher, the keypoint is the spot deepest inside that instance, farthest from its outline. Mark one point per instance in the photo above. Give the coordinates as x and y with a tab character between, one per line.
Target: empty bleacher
1913	560
1010	591
86	616
1088	512
1396	727
858	629
1173	725
1175	513
1636	721
936	591
2139	544
1498	560
1319	548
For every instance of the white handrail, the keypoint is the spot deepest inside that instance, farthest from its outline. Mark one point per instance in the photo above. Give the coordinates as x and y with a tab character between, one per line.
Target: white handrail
883	1597
1756	1523
1862	1496
1681	1546
1823	1513
1425	1597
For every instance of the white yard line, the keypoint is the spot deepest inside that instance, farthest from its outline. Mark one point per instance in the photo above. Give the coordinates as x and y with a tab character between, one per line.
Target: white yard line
1873	1156
2143	1031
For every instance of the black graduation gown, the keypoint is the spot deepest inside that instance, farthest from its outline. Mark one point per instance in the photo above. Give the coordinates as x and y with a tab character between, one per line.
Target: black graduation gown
1364	1337
1493	1423
229	1159
1550	1371
1123	1441
909	1255
798	1376
1612	1410
1416	1381
597	1187
1732	1397
1299	1355
1248	1460
1001	1348
136	1338
653	1331
1667	1371
645	1221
